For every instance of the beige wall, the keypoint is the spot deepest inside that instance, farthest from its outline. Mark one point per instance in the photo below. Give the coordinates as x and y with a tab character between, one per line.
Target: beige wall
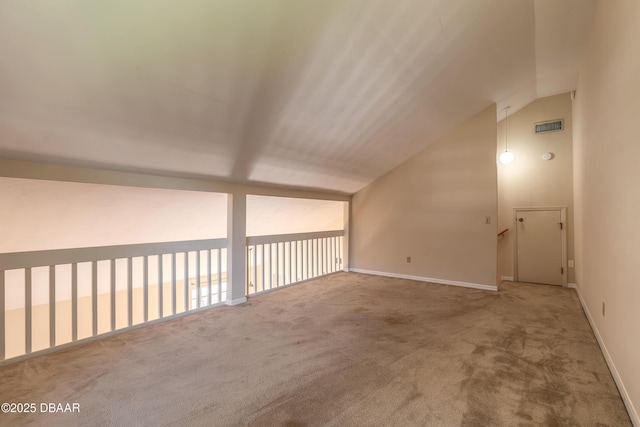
432	208
42	214
607	187
530	181
285	215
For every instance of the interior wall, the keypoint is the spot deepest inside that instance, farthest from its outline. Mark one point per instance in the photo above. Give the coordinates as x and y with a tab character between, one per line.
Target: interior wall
607	183
42	215
268	215
530	181
432	208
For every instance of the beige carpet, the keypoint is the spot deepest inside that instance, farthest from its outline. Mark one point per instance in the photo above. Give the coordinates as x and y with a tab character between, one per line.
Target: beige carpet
344	350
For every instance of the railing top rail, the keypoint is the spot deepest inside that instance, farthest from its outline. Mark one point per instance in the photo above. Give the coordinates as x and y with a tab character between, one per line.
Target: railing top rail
10	261
277	238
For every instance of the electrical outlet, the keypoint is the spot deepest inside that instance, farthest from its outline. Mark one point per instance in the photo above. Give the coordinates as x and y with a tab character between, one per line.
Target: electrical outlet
602	308
571	263
487	220
408	260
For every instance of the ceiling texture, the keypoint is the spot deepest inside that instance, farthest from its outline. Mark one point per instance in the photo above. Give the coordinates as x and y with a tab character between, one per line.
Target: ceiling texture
321	94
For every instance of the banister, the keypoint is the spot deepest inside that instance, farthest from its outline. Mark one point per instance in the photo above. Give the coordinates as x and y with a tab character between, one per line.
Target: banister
9	261
277	238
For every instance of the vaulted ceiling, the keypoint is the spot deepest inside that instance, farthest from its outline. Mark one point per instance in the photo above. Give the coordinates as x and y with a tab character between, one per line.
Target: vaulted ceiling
324	94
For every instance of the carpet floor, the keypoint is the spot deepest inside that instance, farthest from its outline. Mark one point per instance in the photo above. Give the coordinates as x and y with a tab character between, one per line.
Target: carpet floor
343	350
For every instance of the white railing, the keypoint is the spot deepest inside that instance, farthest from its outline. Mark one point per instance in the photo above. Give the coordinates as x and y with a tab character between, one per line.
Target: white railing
280	260
55	298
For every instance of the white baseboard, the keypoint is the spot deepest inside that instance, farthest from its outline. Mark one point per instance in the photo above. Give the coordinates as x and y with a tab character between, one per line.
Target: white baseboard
572	286
633	414
427	279
507	278
236	301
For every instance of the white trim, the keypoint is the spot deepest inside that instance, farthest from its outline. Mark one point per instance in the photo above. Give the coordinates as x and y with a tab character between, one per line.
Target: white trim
507	278
16	260
427	279
236	301
572	286
633	414
278	238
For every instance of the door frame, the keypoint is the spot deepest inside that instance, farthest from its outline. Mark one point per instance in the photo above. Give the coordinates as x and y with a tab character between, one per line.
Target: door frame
563	219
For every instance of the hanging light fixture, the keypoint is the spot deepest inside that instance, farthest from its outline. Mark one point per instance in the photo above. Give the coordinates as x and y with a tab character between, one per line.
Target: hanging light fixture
506	156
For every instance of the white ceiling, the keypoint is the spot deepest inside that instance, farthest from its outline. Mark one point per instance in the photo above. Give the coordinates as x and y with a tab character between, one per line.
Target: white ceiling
326	94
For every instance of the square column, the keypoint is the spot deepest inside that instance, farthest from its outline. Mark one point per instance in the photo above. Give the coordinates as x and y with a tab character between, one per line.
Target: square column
345	238
236	248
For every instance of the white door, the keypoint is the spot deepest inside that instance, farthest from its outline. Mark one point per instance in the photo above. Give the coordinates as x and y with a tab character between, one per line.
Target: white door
539	235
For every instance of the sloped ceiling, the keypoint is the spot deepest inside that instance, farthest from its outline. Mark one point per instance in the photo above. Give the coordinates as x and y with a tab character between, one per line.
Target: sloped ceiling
316	93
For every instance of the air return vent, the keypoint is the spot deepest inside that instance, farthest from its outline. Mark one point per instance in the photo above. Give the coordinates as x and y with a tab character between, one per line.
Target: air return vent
550	126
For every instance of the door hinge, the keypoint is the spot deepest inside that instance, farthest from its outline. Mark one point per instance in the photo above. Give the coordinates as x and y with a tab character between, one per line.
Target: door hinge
561	270
561	225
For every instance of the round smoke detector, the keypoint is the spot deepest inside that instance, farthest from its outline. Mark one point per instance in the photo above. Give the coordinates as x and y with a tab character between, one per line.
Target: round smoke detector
547	156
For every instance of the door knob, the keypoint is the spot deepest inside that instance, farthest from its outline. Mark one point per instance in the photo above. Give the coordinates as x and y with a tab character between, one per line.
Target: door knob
521	219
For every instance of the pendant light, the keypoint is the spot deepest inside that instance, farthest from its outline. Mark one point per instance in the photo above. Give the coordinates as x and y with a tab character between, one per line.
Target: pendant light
506	156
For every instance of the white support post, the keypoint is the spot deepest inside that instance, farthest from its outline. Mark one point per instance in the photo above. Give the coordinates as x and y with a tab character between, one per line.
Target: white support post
28	305
255	268
270	265
94	298
2	321
309	259
129	291
236	241
198	275
325	255
174	292
220	275
186	281
291	263
277	264
160	287
345	238
145	284
209	277
112	277
264	286
52	306
74	301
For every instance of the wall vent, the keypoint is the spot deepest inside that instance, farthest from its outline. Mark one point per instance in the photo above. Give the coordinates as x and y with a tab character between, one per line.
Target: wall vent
550	126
